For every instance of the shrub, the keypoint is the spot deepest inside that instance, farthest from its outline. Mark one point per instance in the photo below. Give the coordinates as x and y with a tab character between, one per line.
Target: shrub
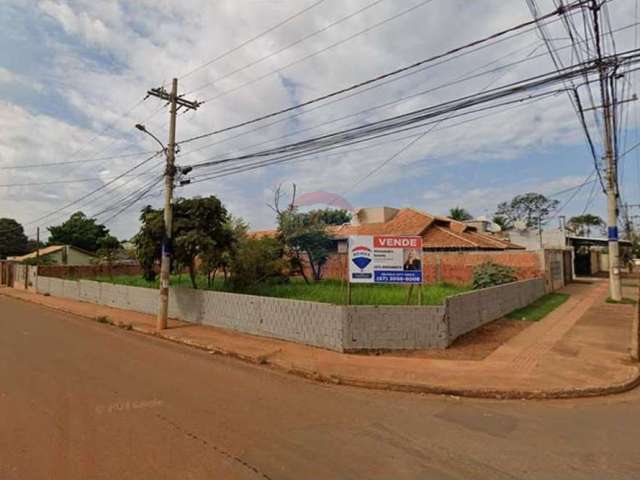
256	261
490	274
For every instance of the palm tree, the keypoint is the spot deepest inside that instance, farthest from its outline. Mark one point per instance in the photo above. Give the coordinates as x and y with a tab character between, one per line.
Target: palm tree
460	214
582	224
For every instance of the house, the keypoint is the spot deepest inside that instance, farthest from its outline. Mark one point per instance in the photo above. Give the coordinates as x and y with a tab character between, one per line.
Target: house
58	255
587	255
451	249
439	234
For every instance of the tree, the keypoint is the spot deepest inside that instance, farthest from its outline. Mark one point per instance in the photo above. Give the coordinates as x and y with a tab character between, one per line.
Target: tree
502	222
108	251
531	208
13	241
304	235
79	231
214	259
198	228
257	260
582	224
148	241
460	214
330	216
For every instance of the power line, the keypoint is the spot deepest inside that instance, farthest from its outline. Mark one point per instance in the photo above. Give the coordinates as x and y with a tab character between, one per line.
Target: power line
252	39
288	46
71	162
359	92
318	52
385	75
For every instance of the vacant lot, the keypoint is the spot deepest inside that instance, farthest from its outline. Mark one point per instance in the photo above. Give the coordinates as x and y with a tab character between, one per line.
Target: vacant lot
326	291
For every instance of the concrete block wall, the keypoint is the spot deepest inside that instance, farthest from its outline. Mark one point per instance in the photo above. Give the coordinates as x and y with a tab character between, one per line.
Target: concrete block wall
468	311
336	327
394	328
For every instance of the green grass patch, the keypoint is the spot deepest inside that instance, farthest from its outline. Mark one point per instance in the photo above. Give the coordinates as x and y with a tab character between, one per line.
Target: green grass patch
624	301
325	291
540	308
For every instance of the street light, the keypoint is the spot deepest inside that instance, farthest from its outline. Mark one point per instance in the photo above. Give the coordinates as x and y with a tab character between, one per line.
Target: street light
142	128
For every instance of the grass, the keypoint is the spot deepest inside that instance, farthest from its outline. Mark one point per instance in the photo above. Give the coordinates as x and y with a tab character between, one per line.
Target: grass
540	308
624	301
326	291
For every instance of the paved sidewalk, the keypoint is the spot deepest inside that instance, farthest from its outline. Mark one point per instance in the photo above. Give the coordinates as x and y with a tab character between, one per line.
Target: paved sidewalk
580	349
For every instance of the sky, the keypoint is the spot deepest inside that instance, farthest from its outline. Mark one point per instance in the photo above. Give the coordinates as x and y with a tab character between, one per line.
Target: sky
74	74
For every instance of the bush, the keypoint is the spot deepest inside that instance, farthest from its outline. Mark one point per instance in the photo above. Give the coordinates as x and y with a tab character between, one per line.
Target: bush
490	274
257	261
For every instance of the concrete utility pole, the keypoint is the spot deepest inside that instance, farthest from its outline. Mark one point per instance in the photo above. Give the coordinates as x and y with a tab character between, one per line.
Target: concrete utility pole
615	291
175	102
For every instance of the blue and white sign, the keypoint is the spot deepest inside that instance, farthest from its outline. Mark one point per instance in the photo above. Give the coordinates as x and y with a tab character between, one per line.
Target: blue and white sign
385	259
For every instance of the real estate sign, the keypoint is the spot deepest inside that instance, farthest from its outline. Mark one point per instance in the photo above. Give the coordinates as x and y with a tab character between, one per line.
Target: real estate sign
385	259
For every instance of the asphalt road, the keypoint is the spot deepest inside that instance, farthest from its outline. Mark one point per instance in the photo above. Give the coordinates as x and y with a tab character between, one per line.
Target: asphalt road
83	400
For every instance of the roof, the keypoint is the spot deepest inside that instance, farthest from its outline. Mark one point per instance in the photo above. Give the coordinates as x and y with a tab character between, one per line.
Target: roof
258	234
47	251
437	232
594	240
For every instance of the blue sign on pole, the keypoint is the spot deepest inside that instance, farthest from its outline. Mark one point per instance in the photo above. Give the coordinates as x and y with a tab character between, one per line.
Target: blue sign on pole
613	233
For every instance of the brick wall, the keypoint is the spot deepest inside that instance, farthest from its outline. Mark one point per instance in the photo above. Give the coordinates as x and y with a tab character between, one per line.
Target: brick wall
453	267
457	267
88	271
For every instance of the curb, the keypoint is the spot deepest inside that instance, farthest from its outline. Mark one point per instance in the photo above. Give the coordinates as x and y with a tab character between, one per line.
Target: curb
484	393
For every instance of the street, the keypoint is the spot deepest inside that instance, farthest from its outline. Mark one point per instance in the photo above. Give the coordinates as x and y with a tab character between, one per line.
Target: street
84	400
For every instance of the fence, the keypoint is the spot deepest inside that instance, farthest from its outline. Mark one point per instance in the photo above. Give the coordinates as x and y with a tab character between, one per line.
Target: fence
336	327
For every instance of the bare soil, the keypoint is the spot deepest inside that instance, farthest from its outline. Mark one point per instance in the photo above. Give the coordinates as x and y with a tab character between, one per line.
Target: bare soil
475	345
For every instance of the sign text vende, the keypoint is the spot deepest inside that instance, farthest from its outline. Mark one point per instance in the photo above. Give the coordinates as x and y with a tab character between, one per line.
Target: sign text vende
396	242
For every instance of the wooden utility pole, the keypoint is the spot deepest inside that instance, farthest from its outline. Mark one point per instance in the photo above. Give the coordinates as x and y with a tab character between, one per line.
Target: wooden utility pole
175	102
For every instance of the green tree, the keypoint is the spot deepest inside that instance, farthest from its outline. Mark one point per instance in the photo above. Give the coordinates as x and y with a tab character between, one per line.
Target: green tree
582	224
109	248
460	214
257	260
502	222
330	216
198	228
13	241
307	241
80	231
148	241
531	208
220	257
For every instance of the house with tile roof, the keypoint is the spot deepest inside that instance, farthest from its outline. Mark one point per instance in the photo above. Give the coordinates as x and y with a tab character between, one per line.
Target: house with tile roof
438	233
451	249
58	255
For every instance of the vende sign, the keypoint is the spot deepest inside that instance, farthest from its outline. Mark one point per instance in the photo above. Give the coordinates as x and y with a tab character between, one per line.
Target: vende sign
385	259
396	242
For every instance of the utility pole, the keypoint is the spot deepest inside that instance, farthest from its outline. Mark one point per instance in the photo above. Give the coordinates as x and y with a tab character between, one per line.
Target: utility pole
37	256
615	291
175	102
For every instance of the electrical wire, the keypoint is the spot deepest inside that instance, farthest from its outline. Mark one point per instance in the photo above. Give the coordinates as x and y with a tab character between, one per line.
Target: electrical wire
252	39
383	76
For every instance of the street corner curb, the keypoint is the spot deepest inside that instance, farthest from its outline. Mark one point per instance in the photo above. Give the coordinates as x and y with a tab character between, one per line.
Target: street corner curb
483	393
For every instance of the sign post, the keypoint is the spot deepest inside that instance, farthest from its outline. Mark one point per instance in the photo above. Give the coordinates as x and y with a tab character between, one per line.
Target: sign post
386	259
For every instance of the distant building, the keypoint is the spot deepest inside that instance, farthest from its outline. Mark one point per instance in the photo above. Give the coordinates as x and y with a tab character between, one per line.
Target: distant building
58	255
589	254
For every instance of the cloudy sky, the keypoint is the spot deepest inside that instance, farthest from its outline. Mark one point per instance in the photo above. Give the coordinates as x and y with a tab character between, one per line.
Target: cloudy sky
73	75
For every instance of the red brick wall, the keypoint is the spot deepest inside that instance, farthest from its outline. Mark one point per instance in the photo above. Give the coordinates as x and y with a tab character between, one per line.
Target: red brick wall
454	267
87	271
457	267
